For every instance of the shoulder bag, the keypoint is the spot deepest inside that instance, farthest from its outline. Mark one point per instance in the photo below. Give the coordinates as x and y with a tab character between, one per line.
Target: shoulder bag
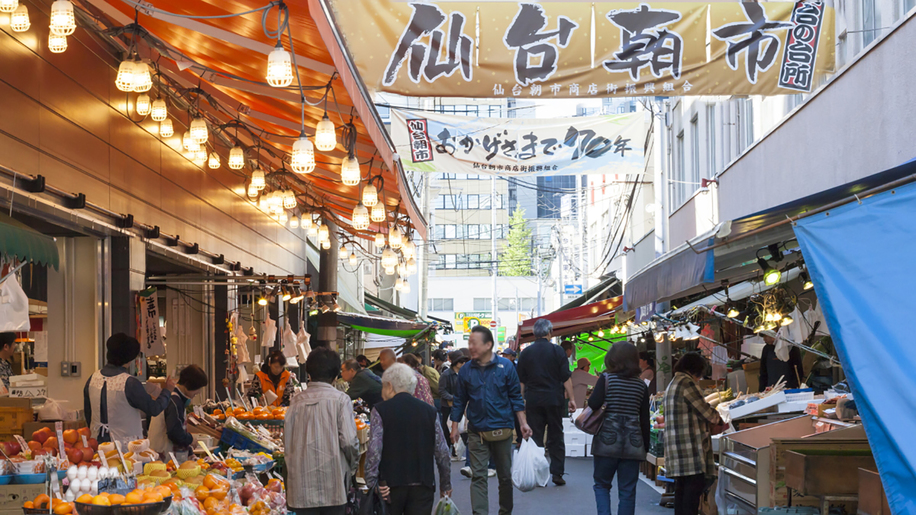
591	421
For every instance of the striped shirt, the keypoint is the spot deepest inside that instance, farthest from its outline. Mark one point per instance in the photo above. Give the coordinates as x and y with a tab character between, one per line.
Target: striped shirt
624	395
321	447
688	447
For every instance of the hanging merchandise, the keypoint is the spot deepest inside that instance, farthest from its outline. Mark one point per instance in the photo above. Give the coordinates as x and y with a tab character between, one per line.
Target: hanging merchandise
302	343
151	343
14	306
268	333
288	340
241	344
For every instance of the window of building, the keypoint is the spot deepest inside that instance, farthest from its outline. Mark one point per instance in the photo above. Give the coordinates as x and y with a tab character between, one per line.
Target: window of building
711	140
485	304
484	231
450	260
450	232
441	304
473	201
550	191
439	232
748	122
445	202
384	112
463	261
869	23
440	262
680	176
695	151
473	232
529	303
474	261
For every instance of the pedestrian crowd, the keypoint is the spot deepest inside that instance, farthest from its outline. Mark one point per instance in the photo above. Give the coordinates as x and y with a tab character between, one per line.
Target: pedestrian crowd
486	403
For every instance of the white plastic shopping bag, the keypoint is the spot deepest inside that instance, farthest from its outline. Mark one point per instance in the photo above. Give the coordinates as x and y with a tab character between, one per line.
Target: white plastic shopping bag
289	341
530	468
446	506
14	307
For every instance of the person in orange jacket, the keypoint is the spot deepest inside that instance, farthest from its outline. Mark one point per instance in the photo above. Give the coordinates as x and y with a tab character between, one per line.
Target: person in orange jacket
273	377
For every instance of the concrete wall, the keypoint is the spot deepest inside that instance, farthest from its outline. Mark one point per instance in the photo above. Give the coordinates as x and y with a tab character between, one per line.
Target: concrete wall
465	289
860	124
694	217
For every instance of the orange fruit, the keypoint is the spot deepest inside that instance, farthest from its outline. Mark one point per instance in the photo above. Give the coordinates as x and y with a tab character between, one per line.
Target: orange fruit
209	481
219	492
101	500
85	499
63	508
210	503
163	490
217	411
135	497
201	492
41	501
265	416
116	499
29	505
55	502
151	496
104	494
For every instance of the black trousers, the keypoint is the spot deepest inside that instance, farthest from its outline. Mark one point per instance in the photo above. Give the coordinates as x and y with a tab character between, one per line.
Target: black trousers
687	493
411	500
551	419
324	510
444	413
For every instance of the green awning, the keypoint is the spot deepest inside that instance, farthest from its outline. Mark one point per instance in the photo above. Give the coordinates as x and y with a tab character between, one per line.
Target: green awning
381	325
19	241
389	307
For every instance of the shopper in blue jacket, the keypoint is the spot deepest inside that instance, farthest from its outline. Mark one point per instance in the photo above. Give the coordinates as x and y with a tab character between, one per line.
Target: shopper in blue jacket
490	396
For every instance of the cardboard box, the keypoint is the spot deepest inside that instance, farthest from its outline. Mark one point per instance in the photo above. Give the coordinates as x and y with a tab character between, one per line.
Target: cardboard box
575	451
577	438
14	413
12	496
752	376
30	427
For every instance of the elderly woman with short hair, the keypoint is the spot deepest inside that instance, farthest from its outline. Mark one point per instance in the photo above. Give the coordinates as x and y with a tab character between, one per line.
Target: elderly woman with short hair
404	437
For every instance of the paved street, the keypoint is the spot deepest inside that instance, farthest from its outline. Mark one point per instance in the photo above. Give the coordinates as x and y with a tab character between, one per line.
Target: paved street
576	495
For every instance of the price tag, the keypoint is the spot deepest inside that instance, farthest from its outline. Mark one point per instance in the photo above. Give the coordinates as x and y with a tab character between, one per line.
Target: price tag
174	460
198	411
85	441
59	426
23	444
127	472
104	459
206	450
229	396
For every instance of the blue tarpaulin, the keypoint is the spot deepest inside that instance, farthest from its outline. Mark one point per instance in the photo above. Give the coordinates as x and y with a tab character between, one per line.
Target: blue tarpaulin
861	259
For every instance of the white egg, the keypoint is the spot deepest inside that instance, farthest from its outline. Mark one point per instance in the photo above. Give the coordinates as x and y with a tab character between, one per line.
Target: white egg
71	472
92	473
70	496
82	471
94	488
77	486
103	472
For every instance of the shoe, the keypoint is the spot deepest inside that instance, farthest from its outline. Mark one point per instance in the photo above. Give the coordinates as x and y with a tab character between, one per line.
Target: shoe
559	481
466	472
491	473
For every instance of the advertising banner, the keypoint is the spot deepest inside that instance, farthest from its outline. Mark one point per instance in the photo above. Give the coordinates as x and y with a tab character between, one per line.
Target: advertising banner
432	142
587	49
150	337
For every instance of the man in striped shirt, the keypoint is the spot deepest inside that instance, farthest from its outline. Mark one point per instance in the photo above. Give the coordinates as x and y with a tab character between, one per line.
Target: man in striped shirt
322	451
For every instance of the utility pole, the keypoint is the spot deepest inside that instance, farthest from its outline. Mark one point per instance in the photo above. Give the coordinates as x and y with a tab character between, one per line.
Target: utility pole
583	240
424	251
540	280
493	200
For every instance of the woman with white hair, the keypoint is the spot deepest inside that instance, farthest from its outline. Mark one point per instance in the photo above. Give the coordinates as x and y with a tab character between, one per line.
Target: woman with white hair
404	436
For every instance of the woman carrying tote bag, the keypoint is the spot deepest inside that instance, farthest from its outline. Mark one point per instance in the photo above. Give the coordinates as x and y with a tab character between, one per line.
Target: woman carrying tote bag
623	440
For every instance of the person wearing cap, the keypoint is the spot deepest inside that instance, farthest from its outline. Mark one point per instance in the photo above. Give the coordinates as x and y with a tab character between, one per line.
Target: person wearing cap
511	355
581	380
115	401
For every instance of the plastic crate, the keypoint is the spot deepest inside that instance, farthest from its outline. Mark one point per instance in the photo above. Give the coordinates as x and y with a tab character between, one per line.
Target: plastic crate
235	440
657	443
800	395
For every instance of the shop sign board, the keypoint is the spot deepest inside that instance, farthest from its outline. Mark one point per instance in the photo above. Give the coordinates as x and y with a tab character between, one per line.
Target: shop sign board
520	146
580	49
149	334
29	392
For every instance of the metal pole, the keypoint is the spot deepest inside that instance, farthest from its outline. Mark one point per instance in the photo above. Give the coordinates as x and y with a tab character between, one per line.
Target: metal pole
540	280
327	281
493	200
580	214
424	251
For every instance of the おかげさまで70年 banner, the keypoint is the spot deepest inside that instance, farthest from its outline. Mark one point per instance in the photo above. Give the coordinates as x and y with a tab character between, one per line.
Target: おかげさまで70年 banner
433	142
549	49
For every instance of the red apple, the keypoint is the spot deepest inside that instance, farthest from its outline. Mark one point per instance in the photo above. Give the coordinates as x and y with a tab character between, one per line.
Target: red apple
74	455
7	448
93	444
88	453
16	447
71	436
51	442
68	446
34	445
41	435
40	452
84	431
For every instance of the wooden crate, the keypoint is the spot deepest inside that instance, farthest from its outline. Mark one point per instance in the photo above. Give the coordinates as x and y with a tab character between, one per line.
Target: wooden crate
872	499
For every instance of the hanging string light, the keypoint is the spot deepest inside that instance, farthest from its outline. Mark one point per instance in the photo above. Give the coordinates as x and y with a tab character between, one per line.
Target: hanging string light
326	244
402	269
306	222
378	214
325	134
63	22
19	20
142	78
186	140
289	199
165	128
389	271
395	237
313	230
143	104
379	240
342	252
349	171
411	266
57	44
302	158
294	222
8	6
284	218
200	157
409	249
360	217
323	233
279	67
258	181
389	258
236	158
353	260
199	131
159	110
252	192
398	284
213	162
370	194
125	79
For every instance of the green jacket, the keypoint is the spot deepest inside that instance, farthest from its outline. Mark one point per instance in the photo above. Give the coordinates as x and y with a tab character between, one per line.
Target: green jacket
432	376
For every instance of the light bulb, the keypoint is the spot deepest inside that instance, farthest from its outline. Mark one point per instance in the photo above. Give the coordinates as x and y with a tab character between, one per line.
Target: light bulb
165	128
284	218
125	79
370	195
252	192
289	200
186	140
213	162
771	277
159	110
294	222
19	20
398	284
405	288
312	231
389	258
349	171
143	79
342	253
236	158
389	270
409	249
279	67
325	135
394	237
325	245
379	240
57	44
378	213
302	158
360	217
200	156
262	300
286	295
411	266
323	233
63	22
143	104
732	313
8	6
199	131
258	180
402	269
353	260
306	222
786	320
600	333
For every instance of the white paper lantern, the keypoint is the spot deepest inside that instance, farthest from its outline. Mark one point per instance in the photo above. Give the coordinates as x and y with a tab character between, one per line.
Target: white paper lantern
143	79
125	78
279	68
349	171
19	20
159	110
325	135
378	214
143	104
236	158
370	195
165	128
8	6
199	131
360	217
302	158
57	44
258	179
213	162
63	22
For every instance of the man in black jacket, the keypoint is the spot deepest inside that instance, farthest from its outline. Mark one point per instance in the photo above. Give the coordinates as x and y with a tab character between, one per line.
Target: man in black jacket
448	385
364	384
772	368
544	372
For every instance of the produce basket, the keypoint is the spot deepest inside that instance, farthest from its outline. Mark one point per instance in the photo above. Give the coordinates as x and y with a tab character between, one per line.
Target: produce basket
232	438
153	508
657	443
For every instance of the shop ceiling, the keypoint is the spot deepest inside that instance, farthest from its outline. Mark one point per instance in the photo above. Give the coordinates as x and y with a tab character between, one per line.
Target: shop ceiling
218	65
